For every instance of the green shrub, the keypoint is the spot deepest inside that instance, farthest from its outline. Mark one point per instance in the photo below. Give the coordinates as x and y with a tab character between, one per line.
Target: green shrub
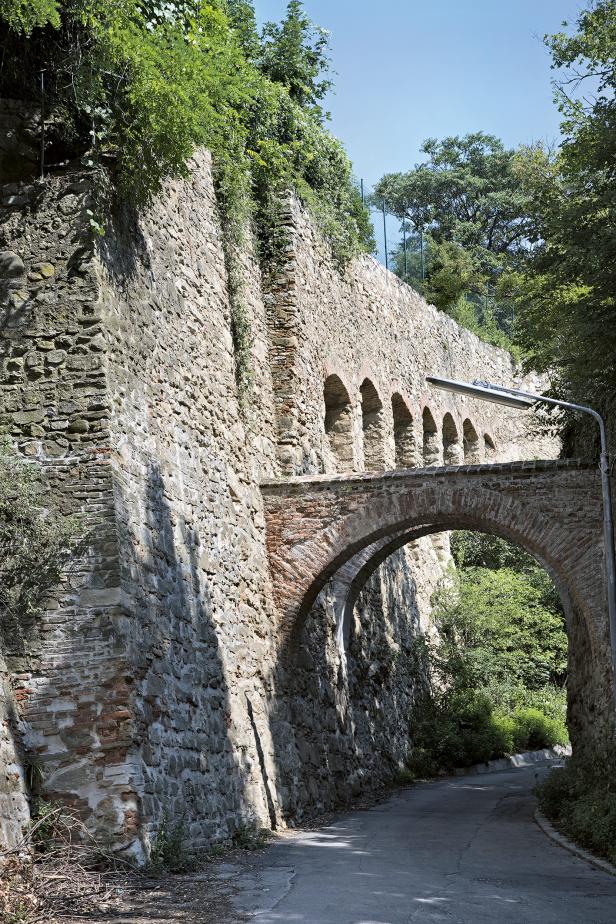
169	850
250	837
581	801
533	730
460	729
134	86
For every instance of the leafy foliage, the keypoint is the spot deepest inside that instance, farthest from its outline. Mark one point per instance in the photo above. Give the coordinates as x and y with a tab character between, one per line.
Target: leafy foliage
139	84
495	626
36	542
26	15
475	215
493	678
294	54
580	799
133	86
567	303
169	850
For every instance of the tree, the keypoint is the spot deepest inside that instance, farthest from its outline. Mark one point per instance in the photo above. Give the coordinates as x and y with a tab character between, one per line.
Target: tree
498	626
466	192
567	296
134	86
27	15
36	542
476	215
243	20
295	54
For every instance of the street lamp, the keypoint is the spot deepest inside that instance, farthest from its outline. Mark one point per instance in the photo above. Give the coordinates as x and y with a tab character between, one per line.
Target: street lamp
523	400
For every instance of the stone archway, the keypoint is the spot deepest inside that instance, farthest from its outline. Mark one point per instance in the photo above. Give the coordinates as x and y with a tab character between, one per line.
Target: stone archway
318	528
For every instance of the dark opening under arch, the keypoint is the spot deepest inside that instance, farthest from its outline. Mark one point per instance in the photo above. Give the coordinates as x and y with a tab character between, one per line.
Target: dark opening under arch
338	424
373	427
404	435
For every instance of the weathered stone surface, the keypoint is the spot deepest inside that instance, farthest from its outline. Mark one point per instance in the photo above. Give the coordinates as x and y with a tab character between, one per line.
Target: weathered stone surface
11	264
156	681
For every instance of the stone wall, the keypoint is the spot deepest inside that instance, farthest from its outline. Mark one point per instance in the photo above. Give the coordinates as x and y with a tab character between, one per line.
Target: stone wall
154	684
365	324
197	624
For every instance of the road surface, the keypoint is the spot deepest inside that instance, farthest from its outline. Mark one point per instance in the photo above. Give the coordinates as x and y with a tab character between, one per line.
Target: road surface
460	850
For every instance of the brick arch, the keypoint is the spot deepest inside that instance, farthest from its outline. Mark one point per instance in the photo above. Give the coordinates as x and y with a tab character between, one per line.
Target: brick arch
358	571
320	525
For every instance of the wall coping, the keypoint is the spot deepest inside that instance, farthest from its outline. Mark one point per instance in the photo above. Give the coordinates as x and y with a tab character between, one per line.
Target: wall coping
301	483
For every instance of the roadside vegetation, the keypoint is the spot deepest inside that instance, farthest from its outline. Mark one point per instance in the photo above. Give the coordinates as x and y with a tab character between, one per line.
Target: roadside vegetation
519	244
132	87
580	799
493	682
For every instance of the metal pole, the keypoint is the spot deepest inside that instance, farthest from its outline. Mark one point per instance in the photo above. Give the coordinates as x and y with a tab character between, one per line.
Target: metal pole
608	538
361	186
421	247
42	76
404	245
385	236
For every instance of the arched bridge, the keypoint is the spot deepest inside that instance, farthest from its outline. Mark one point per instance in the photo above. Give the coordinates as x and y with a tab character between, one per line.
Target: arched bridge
342	527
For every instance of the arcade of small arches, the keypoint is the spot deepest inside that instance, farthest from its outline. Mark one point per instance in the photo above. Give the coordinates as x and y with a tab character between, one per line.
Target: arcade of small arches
416	443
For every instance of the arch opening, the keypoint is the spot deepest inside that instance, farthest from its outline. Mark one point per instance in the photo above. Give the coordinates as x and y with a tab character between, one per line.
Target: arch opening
431	443
489	447
338	424
452	448
404	434
470	441
391	529
373	428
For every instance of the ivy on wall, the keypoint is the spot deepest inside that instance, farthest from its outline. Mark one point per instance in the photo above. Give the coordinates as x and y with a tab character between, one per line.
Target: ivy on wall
134	86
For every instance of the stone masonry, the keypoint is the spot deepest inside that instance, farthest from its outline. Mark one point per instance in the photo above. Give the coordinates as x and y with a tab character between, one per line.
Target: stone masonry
156	681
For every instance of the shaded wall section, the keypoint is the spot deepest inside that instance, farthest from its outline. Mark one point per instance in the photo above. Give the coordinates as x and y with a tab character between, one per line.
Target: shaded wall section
154	682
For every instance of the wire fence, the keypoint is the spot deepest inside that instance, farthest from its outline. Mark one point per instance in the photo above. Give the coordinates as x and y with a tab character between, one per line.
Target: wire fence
400	246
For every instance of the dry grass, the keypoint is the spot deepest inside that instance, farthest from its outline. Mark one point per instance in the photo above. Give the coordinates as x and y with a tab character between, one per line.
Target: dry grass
59	875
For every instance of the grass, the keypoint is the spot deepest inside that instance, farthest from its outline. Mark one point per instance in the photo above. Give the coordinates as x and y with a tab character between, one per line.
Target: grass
580	799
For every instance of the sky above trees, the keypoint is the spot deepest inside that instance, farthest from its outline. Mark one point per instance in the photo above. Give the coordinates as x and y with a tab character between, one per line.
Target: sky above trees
408	70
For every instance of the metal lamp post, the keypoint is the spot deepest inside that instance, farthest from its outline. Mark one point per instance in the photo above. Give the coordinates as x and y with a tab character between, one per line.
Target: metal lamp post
523	400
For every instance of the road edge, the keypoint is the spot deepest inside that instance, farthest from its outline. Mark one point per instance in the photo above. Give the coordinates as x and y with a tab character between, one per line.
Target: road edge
554	835
513	761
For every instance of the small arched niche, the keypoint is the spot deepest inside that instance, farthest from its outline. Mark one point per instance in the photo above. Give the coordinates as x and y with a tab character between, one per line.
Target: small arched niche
489	448
452	448
470	441
373	427
431	442
338	424
404	435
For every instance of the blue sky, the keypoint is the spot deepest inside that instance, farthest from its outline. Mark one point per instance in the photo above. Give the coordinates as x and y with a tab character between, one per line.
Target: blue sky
411	70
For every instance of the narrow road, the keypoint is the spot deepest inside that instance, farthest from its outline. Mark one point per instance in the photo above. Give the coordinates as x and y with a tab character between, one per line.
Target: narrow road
459	851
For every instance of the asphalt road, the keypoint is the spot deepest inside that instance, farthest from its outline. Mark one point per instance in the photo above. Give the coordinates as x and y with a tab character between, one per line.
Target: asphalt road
459	851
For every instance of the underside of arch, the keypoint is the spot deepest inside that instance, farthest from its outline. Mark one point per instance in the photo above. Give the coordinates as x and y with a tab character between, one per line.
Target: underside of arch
359	544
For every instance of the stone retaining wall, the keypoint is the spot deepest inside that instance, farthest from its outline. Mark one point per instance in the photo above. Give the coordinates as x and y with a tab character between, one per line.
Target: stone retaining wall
153	684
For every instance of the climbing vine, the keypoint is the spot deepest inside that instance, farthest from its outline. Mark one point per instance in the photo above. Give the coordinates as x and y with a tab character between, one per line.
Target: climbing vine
134	86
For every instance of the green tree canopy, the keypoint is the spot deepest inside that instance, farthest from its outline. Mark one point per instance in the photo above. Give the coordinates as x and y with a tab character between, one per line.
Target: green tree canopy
500	616
133	86
470	203
567	297
466	192
295	54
